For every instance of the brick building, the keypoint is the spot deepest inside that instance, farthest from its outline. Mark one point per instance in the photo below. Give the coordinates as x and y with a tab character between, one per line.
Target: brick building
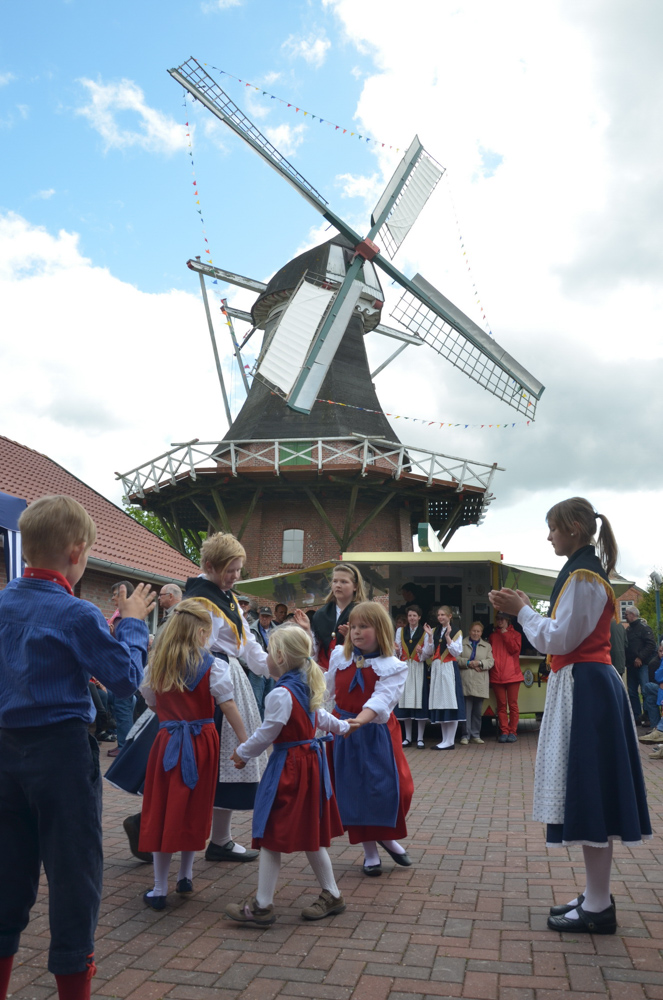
124	549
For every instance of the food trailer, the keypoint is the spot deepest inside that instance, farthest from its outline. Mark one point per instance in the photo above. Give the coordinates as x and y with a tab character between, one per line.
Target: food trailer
460	579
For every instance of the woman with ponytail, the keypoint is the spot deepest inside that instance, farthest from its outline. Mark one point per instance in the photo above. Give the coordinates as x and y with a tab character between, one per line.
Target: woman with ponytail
588	785
295	808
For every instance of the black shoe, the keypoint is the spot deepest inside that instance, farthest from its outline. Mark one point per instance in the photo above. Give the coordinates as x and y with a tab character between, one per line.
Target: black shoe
184	886
436	747
373	870
604	922
226	853
559	911
406	743
132	829
154	902
421	745
401	859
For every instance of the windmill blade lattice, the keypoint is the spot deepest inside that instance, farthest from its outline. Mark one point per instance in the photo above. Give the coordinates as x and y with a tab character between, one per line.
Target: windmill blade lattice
422	174
497	374
203	87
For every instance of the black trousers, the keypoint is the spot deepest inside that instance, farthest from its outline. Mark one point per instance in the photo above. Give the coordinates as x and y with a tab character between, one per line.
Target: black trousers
50	813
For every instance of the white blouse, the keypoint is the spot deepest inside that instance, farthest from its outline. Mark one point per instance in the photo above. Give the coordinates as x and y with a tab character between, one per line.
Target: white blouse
391	673
578	611
224	640
278	709
220	685
455	646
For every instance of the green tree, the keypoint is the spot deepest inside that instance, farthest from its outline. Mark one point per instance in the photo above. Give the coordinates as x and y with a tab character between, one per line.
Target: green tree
153	524
647	606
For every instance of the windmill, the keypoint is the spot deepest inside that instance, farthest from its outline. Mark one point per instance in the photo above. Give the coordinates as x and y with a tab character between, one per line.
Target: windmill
314	313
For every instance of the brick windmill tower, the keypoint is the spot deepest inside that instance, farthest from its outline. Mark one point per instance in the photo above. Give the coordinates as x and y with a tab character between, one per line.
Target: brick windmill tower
301	479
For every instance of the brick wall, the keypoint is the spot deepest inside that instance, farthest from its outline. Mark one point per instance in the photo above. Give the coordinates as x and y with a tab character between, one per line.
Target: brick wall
263	536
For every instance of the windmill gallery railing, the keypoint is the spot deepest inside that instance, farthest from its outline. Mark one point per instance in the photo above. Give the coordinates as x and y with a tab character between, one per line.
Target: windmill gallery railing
235	457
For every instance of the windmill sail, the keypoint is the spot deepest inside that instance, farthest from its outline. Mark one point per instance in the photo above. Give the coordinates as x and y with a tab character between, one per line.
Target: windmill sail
287	350
481	357
404	197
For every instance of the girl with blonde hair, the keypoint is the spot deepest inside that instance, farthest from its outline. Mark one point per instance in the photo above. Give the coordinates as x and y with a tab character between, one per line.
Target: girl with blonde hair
182	684
295	808
372	779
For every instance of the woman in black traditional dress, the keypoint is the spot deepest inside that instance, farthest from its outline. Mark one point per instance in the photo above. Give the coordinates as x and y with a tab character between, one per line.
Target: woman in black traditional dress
588	785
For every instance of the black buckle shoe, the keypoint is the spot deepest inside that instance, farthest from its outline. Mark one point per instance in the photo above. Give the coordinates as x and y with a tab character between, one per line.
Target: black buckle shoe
226	853
373	870
604	922
559	911
401	859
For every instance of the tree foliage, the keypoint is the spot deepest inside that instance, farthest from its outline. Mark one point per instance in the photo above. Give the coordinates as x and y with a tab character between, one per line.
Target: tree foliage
647	607
153	524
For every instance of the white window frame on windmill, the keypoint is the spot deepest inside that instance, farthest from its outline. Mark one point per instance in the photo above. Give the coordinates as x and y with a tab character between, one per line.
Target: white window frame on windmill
292	551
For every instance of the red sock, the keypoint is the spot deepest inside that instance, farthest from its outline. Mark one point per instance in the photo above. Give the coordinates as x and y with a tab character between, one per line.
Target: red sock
77	985
5	972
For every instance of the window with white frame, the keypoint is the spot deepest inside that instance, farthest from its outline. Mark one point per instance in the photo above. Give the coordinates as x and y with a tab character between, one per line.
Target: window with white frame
624	607
293	546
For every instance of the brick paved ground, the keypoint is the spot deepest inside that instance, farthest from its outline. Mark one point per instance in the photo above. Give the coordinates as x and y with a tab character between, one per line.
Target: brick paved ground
466	921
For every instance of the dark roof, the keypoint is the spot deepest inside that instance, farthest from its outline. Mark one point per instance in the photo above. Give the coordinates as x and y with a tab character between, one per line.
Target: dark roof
266	415
121	540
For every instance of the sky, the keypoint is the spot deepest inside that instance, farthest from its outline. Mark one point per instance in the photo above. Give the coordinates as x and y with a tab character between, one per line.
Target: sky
546	227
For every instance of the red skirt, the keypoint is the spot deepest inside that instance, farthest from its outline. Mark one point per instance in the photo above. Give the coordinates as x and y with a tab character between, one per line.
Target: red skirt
294	822
176	817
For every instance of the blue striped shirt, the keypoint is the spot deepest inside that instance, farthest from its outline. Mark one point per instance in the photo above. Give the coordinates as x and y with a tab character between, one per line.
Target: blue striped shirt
50	645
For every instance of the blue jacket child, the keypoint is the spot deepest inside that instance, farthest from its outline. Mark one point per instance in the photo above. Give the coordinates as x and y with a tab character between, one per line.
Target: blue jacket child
50	783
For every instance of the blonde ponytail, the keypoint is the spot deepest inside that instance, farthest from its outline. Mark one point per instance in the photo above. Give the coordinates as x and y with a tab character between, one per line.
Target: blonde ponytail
290	645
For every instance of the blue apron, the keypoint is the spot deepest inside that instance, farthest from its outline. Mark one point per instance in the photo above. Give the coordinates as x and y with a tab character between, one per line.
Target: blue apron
366	775
295	682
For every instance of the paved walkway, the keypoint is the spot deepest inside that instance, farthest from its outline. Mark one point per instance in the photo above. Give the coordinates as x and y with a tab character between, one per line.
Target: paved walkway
467	920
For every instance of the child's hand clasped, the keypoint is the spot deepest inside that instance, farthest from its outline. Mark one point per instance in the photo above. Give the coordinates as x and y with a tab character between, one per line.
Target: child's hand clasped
354	725
237	761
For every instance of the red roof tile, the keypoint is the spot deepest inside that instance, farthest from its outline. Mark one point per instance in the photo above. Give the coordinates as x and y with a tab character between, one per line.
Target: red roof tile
28	474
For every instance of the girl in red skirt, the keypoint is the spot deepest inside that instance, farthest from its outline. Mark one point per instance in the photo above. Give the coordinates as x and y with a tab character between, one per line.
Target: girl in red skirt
183	682
372	779
295	808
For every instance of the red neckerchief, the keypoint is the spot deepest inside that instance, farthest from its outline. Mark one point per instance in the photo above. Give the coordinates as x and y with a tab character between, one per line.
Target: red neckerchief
48	574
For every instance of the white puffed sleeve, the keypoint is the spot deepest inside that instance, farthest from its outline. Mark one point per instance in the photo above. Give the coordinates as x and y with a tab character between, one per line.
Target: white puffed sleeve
148	694
455	645
398	642
220	681
580	607
391	674
278	708
428	647
330	724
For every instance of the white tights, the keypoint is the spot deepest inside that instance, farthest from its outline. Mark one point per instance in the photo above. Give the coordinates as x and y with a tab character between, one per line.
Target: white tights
371	856
598	863
162	867
221	829
421	726
269	866
448	734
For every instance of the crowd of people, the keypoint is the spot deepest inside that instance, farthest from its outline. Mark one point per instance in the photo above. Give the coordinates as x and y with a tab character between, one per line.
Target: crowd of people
327	691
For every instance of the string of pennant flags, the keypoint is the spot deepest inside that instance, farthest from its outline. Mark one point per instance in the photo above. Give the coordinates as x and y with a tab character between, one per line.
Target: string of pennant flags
449	424
431	423
306	114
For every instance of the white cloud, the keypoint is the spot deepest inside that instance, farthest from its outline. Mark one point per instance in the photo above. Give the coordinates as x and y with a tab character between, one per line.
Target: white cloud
6	78
313	50
557	189
210	6
149	129
23	110
45	194
360	186
286	138
95	355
